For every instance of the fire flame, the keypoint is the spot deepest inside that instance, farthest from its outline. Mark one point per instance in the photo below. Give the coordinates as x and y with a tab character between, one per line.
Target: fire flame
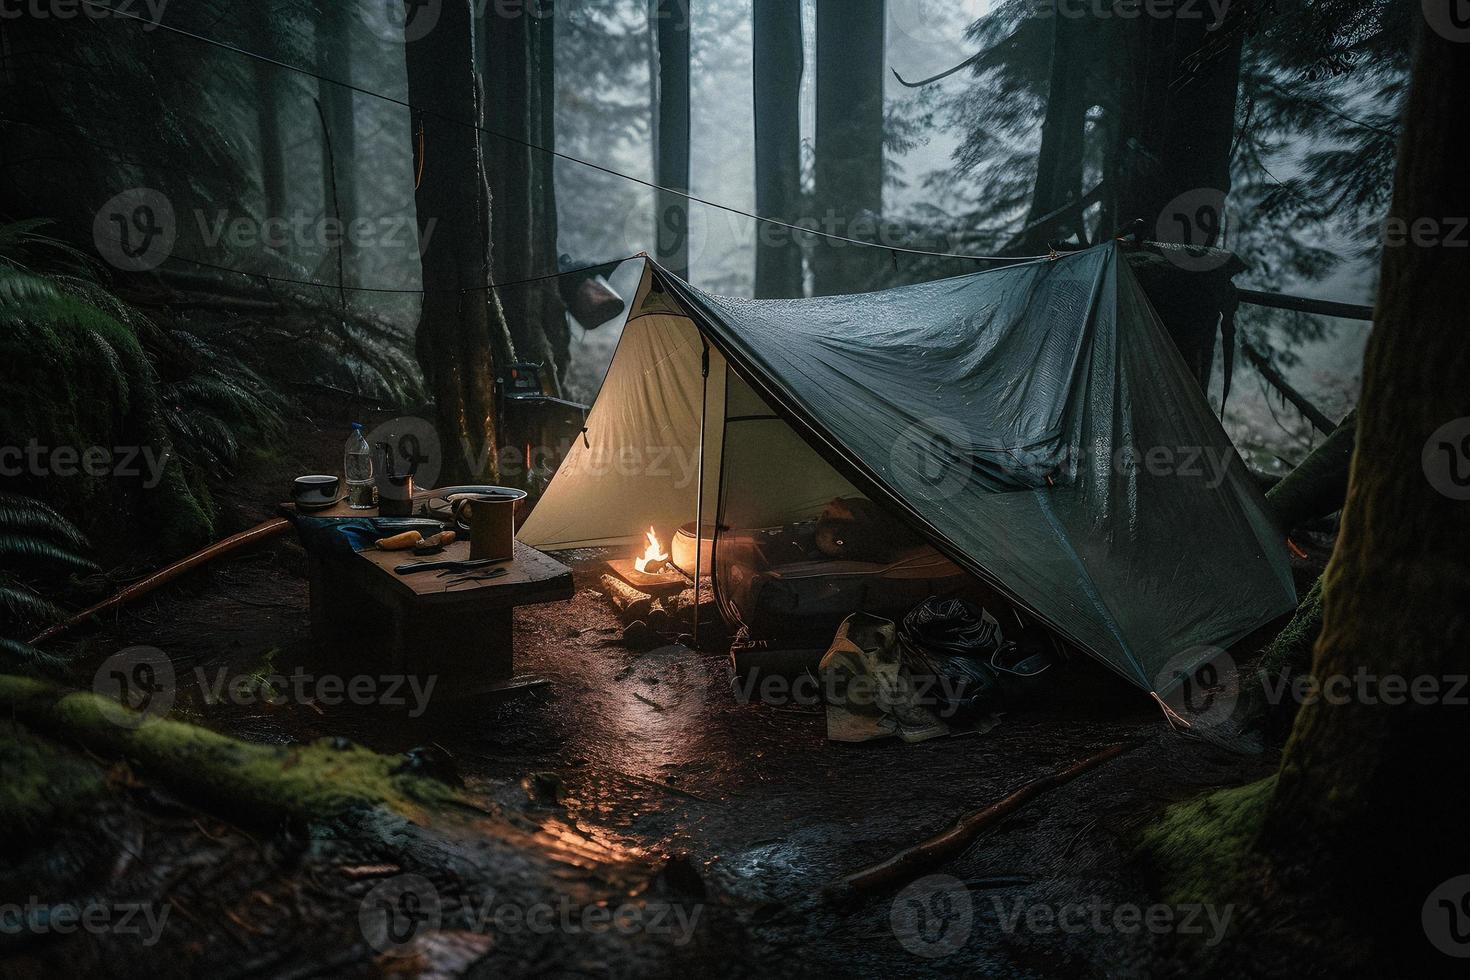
654	555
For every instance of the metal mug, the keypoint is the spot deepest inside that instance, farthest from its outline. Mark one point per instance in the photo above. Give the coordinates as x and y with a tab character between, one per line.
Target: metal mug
489	518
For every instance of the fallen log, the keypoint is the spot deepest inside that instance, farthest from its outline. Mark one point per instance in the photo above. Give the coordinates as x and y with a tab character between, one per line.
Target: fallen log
628	601
1318	486
948	844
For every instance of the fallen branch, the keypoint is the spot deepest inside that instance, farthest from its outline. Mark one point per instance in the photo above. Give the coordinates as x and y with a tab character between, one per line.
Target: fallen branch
1278	381
1305	304
261	532
940	848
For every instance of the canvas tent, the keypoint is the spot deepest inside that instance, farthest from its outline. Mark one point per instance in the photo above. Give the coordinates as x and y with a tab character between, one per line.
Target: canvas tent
1034	422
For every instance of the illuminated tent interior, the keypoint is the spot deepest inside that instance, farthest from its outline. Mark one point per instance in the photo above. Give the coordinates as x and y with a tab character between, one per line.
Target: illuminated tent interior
1002	418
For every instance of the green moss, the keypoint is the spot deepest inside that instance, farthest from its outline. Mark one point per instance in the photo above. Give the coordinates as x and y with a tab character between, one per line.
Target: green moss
40	783
1292	648
318	781
1202	848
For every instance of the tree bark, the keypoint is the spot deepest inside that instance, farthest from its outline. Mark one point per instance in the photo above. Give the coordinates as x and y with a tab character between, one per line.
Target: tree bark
849	160
518	80
1063	128
1176	122
1371	800
270	144
777	68
462	333
339	173
671	127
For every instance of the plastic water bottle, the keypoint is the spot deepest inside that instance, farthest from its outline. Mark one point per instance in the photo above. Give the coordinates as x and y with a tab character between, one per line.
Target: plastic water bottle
357	466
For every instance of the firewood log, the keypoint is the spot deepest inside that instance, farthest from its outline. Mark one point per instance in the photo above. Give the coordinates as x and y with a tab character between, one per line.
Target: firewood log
629	602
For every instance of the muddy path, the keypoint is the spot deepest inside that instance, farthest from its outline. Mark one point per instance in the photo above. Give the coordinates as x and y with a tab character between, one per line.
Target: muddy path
747	808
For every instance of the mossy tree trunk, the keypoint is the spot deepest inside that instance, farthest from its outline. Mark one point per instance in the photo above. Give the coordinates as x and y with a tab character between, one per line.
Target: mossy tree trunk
1371	798
462	333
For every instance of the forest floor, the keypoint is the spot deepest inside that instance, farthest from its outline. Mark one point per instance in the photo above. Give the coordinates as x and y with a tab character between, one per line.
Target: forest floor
634	783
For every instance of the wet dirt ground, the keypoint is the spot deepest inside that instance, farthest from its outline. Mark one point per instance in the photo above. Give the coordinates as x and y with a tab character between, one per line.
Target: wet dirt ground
652	752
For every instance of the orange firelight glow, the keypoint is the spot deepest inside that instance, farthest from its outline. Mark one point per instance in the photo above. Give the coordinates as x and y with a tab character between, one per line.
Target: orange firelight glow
654	555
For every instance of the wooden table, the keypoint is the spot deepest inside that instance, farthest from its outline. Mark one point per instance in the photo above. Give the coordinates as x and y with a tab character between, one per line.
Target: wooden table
420	623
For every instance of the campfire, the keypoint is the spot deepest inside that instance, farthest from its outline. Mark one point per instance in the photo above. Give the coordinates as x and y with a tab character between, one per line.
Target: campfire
655	559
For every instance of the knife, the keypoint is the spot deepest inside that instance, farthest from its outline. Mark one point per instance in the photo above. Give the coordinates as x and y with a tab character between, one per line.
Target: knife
412	567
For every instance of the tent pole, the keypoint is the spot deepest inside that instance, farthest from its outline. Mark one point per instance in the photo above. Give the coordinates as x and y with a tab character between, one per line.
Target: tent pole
699	493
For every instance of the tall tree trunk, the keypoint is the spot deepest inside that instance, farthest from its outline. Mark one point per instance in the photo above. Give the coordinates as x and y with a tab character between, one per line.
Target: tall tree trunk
1371	797
462	333
552	312
1063	131
777	69
1178	81
269	27
271	145
849	162
671	30
339	173
520	100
